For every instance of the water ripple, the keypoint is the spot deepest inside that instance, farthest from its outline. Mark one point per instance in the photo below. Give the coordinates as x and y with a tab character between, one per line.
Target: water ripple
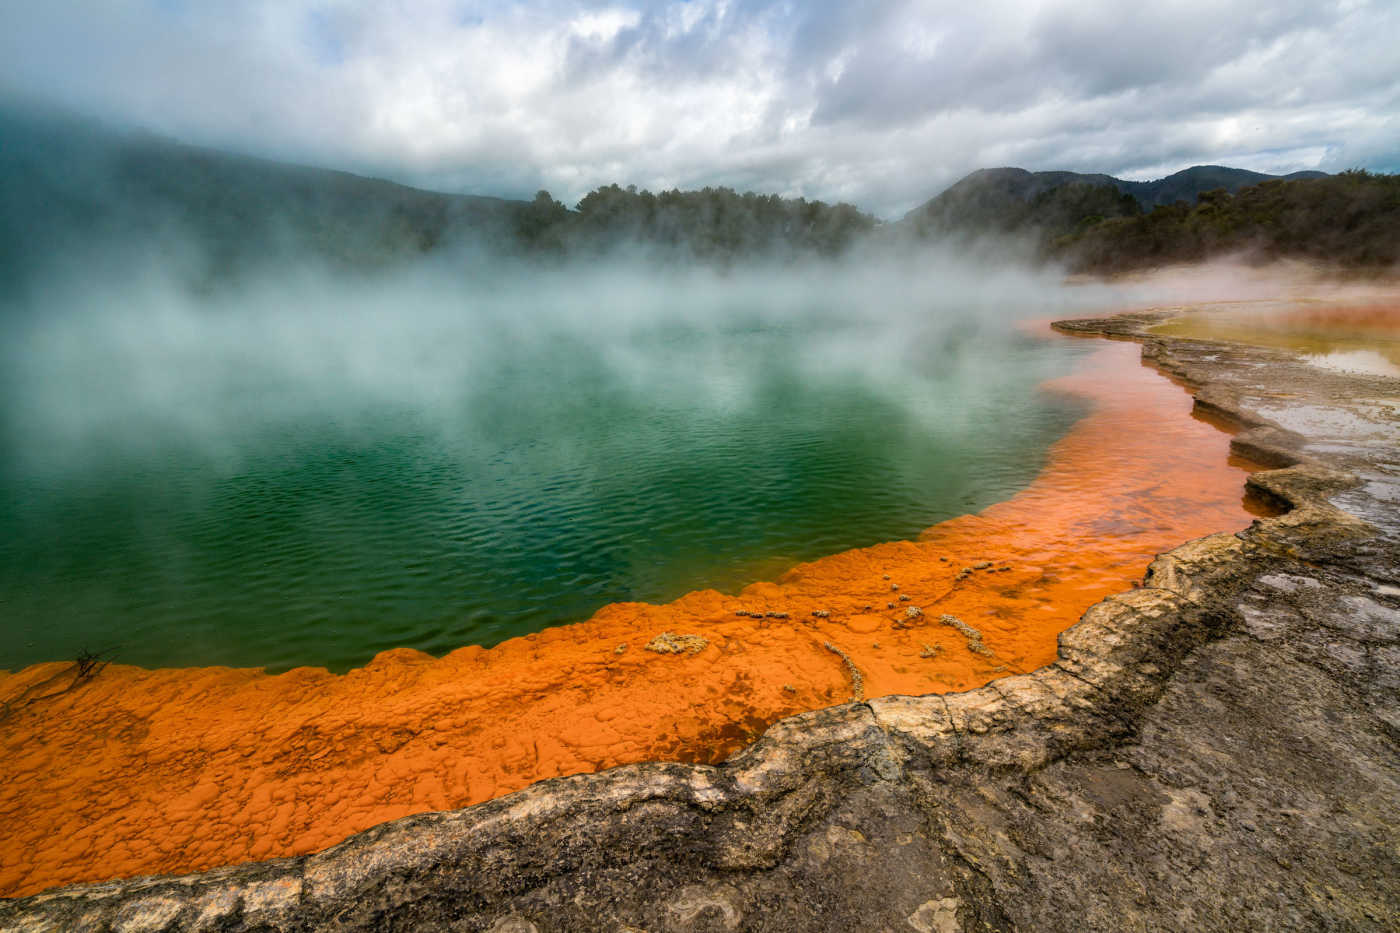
531	505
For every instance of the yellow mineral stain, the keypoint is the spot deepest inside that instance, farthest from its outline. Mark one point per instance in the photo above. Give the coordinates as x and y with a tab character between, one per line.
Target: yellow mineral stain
1311	328
135	771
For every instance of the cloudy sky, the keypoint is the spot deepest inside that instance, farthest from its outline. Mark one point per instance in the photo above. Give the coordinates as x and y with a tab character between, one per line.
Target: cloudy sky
881	103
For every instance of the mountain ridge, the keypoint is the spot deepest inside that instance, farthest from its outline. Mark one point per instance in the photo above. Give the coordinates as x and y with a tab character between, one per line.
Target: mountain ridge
1005	198
74	191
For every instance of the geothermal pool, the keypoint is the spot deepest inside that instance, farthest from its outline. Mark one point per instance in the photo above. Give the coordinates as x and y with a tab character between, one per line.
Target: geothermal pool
170	770
303	475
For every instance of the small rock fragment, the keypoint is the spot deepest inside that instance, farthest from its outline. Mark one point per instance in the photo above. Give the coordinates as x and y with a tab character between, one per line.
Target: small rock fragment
913	612
929	651
620	648
974	637
513	923
671	643
982	565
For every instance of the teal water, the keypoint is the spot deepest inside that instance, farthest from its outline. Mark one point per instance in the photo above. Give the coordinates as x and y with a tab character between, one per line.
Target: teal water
285	487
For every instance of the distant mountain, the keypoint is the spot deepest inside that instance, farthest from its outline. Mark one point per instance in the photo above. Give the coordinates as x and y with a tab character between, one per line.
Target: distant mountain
1350	220
81	195
73	190
1052	204
1105	225
1002	201
1190	183
66	184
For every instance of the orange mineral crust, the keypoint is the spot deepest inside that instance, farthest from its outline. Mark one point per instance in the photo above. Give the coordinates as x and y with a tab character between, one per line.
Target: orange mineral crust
136	771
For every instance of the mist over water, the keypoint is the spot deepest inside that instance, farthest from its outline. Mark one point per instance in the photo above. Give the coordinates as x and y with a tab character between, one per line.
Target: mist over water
308	468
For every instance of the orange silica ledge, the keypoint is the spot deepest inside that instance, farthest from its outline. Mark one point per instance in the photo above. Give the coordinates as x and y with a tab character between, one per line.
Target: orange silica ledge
154	771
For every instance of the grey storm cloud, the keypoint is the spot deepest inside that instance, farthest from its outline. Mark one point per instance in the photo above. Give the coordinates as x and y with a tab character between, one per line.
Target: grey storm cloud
880	103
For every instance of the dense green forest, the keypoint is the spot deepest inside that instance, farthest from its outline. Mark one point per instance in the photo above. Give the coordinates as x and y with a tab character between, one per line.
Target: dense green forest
1043	206
709	223
1350	219
1101	224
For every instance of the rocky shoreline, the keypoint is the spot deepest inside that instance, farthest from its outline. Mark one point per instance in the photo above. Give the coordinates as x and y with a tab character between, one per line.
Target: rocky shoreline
1216	749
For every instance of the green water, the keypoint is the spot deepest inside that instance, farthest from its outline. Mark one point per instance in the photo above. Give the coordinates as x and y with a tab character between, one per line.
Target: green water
187	490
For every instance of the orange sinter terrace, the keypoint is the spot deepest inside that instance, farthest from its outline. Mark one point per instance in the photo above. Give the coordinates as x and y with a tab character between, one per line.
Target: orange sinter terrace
136	771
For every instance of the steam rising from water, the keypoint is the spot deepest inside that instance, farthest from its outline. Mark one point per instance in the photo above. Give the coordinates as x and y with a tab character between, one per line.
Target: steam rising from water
101	368
308	468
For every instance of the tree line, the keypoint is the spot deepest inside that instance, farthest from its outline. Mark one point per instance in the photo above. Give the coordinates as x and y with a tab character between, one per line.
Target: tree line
1350	219
711	223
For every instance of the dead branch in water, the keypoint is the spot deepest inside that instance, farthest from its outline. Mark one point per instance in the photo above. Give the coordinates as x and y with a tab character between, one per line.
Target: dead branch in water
86	666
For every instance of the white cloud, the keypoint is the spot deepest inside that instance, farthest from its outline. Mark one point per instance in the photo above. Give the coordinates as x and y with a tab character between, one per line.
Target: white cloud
604	25
880	103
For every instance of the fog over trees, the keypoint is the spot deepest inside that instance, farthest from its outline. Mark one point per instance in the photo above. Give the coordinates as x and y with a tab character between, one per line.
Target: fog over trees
67	185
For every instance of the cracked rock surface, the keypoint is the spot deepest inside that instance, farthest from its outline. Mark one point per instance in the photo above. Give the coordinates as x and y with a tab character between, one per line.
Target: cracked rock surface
1216	750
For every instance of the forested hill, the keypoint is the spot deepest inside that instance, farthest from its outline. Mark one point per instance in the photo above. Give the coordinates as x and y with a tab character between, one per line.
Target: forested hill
1102	224
1351	220
72	190
68	185
1189	184
999	201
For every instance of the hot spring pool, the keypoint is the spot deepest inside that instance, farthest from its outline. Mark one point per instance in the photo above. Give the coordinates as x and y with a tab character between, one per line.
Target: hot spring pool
293	476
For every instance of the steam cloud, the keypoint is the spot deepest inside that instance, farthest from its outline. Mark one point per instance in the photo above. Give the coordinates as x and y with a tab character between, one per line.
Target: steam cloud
126	361
99	367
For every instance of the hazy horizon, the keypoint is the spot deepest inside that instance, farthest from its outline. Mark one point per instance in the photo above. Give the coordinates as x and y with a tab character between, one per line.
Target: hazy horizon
137	134
881	105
